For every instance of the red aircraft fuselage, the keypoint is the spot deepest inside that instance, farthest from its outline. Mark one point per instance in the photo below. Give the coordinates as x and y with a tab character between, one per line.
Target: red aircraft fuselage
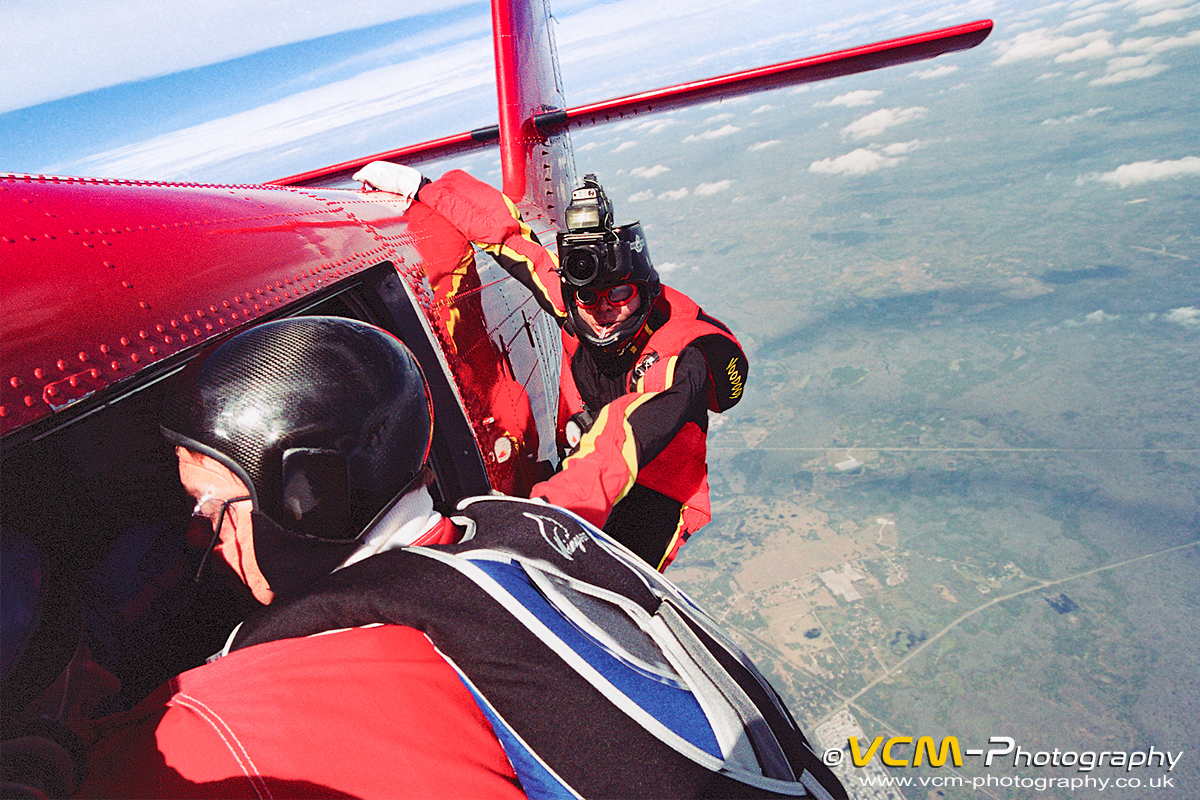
111	283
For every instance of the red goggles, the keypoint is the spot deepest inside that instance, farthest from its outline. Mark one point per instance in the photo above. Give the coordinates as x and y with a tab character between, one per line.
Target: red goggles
619	295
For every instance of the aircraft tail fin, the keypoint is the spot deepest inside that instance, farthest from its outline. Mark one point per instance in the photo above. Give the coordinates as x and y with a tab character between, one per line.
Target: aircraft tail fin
537	167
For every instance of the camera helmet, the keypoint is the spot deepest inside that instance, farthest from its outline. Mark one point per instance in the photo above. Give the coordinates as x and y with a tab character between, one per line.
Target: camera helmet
326	420
596	254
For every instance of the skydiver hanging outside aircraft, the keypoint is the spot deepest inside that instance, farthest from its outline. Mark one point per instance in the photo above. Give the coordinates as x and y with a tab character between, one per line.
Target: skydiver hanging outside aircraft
642	363
516	652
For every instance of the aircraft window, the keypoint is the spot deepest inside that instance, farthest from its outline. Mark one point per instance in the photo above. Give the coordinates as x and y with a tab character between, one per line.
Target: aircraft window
99	498
102	503
346	304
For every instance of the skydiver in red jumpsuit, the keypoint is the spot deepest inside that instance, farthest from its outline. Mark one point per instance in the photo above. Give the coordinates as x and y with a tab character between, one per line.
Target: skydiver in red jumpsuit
642	363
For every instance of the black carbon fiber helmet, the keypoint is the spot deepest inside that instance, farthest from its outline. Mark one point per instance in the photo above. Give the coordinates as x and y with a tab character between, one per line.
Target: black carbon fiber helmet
596	254
326	420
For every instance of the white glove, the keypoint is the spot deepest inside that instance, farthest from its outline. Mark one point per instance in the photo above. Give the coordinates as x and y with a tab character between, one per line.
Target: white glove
394	178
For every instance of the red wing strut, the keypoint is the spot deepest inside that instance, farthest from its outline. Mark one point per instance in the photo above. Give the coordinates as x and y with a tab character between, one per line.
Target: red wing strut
805	70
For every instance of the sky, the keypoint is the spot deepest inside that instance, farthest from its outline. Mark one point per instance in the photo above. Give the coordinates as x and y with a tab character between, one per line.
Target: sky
233	91
228	91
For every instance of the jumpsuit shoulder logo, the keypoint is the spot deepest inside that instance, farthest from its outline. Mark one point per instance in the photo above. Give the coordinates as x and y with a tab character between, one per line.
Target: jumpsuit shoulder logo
558	537
735	379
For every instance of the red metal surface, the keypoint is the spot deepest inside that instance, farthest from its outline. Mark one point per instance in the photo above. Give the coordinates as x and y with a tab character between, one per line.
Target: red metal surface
495	399
104	279
536	166
505	30
805	70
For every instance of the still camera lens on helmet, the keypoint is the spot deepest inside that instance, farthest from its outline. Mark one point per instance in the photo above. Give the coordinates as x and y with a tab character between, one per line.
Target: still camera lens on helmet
583	250
581	265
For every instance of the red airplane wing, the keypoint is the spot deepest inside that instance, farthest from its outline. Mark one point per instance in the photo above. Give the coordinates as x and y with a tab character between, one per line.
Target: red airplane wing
802	70
533	113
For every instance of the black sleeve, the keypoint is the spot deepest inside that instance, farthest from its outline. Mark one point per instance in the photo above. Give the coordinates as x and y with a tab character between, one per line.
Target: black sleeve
656	422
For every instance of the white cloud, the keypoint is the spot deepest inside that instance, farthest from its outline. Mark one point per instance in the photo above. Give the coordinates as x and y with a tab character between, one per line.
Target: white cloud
936	72
727	130
674	194
1100	48
1167	17
1139	172
653	126
857	162
1151	6
1096	317
649	172
1127	62
345	111
763	109
764	145
718	118
1187	316
877	122
669	266
1157	44
861	97
275	127
706	189
1113	76
1085	20
1073	118
900	148
641	197
1043	43
1029	19
623	146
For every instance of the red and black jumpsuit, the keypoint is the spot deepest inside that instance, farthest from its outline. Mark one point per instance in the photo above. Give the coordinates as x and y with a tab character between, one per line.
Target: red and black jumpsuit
639	471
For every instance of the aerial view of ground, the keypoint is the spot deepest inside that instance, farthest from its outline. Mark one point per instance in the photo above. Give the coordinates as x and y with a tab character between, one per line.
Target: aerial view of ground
960	498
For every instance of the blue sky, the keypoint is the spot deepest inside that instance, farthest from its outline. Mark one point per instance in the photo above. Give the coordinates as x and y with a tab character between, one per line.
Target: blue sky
233	91
229	91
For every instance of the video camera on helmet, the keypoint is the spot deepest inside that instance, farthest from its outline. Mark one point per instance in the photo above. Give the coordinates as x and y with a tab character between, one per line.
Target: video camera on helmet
593	251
